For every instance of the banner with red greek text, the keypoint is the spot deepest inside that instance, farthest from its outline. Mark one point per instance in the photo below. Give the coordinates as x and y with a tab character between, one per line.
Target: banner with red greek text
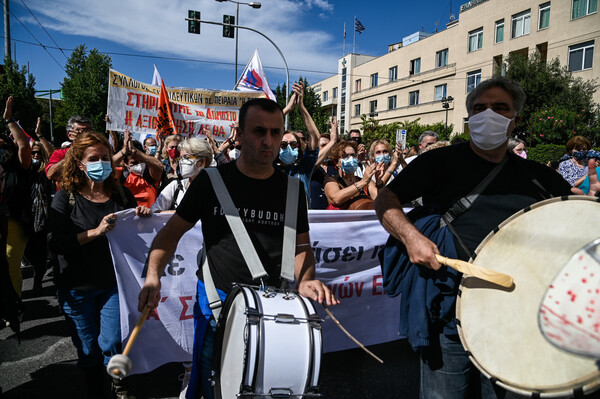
133	105
345	244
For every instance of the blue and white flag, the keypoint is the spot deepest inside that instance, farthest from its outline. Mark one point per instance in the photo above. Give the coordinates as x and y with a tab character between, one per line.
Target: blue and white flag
358	26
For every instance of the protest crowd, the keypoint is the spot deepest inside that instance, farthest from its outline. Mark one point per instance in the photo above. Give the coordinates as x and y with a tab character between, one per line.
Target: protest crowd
59	200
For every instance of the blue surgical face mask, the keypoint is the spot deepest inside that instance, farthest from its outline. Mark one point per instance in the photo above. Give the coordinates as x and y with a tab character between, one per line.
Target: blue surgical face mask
152	150
98	171
288	155
385	158
581	155
349	165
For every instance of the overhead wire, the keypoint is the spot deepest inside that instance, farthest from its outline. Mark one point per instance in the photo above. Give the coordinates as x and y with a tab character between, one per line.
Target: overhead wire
39	23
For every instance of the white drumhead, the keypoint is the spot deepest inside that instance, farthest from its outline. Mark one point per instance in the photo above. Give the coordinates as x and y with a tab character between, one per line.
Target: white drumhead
234	348
500	327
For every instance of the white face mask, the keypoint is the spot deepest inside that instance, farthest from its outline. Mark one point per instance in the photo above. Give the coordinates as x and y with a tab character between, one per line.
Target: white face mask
488	129
188	168
234	154
138	169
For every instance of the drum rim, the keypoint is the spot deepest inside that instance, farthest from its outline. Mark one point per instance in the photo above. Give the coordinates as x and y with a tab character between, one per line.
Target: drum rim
591	380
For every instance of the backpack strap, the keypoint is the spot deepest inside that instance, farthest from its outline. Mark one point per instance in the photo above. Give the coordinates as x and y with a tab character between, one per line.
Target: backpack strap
176	194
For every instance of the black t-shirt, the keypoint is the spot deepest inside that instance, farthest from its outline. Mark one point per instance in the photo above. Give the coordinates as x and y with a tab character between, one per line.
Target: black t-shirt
444	175
261	203
87	266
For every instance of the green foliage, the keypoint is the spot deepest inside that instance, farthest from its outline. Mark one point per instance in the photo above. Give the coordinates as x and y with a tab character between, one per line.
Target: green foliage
312	102
545	153
85	89
557	124
552	89
372	130
19	84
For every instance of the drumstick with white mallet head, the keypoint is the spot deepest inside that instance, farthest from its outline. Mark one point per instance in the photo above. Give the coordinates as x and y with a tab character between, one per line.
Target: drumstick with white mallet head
492	276
120	365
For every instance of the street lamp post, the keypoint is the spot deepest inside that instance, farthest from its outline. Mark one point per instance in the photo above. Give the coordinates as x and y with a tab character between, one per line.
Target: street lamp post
253	4
446	105
287	70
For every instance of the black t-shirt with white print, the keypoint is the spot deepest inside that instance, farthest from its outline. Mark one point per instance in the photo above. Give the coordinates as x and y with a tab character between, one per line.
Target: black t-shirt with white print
261	203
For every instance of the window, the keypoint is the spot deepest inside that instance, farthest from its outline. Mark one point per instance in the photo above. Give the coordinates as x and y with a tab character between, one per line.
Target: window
520	23
358	85
581	8
393	73
441	58
325	96
440	91
500	31
357	110
581	56
374	78
392	102
475	39
334	93
544	17
473	79
413	97
373	106
415	66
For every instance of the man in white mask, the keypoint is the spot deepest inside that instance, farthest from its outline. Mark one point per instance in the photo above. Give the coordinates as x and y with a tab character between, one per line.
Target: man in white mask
441	178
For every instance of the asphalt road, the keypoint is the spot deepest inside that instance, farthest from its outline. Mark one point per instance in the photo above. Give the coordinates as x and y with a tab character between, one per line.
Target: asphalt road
43	365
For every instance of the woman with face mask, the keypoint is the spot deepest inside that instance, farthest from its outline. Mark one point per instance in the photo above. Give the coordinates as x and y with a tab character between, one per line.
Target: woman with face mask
82	212
517	147
195	154
346	188
381	153
575	167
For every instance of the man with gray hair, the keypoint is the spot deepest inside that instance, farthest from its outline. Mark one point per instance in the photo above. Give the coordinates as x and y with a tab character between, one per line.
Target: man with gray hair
442	178
426	138
75	125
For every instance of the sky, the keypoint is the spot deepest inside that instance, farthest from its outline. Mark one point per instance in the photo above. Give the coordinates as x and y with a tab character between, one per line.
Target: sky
139	33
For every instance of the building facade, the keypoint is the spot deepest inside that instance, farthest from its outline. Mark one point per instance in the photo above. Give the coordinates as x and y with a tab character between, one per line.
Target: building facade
410	81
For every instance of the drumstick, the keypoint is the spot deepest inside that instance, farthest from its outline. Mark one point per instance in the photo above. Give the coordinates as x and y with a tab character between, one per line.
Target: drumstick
349	335
492	276
136	330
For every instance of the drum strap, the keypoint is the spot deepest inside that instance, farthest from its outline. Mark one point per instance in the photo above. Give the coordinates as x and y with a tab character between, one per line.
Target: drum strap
465	203
245	243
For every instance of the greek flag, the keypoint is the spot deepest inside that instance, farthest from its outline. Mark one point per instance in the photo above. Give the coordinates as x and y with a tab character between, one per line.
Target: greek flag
358	26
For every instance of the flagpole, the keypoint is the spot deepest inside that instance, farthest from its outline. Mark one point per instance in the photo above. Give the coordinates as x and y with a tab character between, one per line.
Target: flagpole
344	47
354	40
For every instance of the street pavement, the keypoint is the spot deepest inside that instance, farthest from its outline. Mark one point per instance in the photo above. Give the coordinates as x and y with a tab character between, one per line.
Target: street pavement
43	365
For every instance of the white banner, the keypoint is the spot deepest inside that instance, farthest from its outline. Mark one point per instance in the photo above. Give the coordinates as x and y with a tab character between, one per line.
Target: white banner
133	105
345	244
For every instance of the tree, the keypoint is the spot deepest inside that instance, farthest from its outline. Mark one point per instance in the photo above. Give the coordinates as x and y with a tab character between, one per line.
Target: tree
19	83
555	94
312	102
372	130
85	89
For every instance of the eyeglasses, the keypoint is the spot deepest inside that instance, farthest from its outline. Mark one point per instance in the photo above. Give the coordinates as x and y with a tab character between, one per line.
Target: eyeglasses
346	156
36	153
293	144
188	157
237	147
357	139
79	131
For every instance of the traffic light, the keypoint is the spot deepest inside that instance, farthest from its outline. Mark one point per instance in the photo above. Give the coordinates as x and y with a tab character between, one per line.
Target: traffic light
228	31
194	26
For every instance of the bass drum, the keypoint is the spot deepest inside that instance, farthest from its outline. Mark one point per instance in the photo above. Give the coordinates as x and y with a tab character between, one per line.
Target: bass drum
499	327
268	344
